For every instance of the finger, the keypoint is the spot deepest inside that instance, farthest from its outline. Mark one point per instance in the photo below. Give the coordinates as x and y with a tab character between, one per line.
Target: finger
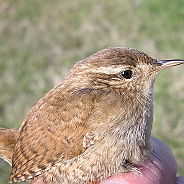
161	169
179	180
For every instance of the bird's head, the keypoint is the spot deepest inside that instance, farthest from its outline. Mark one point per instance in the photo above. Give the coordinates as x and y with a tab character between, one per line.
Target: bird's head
124	69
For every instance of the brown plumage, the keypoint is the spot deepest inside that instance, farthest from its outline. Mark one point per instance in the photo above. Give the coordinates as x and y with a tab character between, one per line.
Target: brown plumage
95	123
8	139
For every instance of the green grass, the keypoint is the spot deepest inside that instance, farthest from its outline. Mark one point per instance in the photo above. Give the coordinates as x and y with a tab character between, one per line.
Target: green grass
41	40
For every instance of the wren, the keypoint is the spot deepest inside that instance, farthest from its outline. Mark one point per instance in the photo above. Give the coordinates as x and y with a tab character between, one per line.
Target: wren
96	123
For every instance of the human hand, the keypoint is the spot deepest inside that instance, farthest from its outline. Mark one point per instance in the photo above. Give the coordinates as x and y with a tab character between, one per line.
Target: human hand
161	169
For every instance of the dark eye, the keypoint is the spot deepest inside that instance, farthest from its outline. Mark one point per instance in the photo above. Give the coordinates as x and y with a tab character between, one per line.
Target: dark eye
127	74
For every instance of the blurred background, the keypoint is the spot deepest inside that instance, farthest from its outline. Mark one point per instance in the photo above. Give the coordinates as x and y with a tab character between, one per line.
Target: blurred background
41	40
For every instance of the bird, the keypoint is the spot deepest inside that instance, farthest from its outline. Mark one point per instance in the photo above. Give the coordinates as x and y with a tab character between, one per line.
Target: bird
96	123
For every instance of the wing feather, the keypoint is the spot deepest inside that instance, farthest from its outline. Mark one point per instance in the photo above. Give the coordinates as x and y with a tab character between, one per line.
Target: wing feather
52	132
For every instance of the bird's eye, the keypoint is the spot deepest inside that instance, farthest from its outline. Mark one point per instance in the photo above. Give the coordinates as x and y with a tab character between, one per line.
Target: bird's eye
127	74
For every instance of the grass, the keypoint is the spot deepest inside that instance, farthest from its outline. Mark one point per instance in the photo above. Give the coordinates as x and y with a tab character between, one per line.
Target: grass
41	40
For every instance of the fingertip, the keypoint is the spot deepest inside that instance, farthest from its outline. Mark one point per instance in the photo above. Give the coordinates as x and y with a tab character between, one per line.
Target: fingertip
179	180
163	158
161	169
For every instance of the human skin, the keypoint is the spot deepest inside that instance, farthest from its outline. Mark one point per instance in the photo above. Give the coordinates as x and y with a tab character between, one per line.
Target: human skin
161	169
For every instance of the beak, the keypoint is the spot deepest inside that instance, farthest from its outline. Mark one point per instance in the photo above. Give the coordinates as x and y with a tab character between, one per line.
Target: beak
161	64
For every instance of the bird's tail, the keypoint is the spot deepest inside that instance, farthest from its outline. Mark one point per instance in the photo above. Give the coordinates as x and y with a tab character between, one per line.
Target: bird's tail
8	139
